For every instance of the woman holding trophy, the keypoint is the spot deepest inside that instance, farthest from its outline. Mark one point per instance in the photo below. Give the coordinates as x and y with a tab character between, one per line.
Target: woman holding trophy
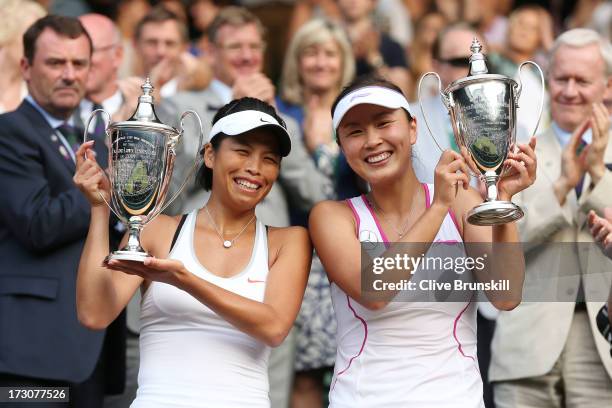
393	353
220	288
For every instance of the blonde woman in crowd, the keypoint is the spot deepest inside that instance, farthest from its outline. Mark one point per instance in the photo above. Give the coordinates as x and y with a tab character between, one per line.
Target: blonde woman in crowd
318	63
16	17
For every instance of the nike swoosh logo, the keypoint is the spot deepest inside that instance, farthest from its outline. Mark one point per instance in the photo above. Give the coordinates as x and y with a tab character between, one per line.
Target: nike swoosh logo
265	121
255	281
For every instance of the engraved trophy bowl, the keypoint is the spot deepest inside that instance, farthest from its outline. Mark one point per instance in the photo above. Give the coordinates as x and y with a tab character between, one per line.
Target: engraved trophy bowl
482	109
140	164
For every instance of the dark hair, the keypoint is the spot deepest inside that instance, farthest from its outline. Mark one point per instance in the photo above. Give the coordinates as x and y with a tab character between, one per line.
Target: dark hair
64	26
160	14
205	174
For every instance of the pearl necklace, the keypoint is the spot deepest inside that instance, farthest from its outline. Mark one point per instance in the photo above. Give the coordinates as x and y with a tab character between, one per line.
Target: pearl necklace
227	243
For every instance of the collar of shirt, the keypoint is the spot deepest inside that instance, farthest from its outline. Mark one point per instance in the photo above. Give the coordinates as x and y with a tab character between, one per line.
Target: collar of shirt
564	136
51	120
223	91
169	89
110	104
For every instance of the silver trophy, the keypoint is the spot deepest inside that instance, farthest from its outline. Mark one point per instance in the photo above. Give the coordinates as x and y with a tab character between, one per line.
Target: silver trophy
140	164
482	108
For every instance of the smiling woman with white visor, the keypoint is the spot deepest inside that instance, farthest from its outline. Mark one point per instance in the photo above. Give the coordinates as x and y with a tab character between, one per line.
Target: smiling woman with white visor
394	353
221	287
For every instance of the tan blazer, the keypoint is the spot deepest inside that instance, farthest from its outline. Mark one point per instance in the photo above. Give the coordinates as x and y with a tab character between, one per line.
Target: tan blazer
529	340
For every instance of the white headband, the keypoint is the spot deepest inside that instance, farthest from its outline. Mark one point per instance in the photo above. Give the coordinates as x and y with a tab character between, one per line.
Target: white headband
374	95
241	122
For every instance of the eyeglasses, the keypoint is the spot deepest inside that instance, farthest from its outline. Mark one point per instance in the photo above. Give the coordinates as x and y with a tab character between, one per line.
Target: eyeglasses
457	62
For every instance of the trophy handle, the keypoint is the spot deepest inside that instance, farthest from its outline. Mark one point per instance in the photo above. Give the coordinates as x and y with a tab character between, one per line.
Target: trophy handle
444	100
520	88
85	138
197	161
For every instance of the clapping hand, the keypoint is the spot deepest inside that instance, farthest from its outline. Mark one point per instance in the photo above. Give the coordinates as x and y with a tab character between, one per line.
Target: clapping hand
601	230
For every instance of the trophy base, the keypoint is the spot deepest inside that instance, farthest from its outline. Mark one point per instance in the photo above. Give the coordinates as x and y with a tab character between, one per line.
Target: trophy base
135	256
494	213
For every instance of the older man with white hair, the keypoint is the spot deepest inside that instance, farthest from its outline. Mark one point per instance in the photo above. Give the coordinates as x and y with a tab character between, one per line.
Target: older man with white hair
549	353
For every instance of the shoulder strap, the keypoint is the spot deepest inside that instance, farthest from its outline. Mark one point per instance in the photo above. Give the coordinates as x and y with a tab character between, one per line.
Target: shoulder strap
178	231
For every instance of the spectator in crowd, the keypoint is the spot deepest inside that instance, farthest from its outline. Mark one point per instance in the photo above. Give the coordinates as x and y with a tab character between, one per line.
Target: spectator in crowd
486	16
374	50
421	49
529	38
103	88
202	13
237	49
451	54
318	63
44	221
129	13
305	10
394	19
541	345
160	42
17	16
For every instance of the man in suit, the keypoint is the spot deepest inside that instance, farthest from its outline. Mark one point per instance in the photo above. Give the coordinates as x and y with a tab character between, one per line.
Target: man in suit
547	353
44	221
237	52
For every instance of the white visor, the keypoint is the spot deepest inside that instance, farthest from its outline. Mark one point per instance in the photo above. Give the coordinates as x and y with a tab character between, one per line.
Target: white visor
240	122
373	95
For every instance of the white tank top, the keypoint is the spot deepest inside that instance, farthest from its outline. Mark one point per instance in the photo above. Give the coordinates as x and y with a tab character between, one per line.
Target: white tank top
408	354
191	357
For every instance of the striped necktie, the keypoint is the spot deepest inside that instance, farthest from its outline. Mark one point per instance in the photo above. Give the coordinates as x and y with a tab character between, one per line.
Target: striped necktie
72	135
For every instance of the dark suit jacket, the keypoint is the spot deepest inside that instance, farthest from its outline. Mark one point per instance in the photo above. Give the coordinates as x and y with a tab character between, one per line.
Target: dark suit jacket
43	224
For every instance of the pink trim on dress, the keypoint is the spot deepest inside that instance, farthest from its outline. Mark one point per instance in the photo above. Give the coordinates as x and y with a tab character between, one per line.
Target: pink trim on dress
380	230
459	345
426	188
356	215
365	338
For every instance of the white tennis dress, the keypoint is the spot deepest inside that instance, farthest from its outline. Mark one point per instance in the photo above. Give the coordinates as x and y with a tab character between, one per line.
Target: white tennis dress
191	357
408	354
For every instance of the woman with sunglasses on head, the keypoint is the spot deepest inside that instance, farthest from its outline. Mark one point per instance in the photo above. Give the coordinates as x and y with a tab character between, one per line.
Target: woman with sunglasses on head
393	353
220	288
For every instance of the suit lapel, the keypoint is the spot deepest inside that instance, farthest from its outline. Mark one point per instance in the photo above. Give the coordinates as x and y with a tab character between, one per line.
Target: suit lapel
48	135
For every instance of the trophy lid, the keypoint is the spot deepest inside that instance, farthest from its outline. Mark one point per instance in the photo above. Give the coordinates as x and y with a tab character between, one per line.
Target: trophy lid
478	64
145	116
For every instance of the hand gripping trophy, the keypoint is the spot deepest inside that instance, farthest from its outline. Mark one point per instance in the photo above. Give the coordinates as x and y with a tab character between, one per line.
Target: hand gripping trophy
482	108
140	164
